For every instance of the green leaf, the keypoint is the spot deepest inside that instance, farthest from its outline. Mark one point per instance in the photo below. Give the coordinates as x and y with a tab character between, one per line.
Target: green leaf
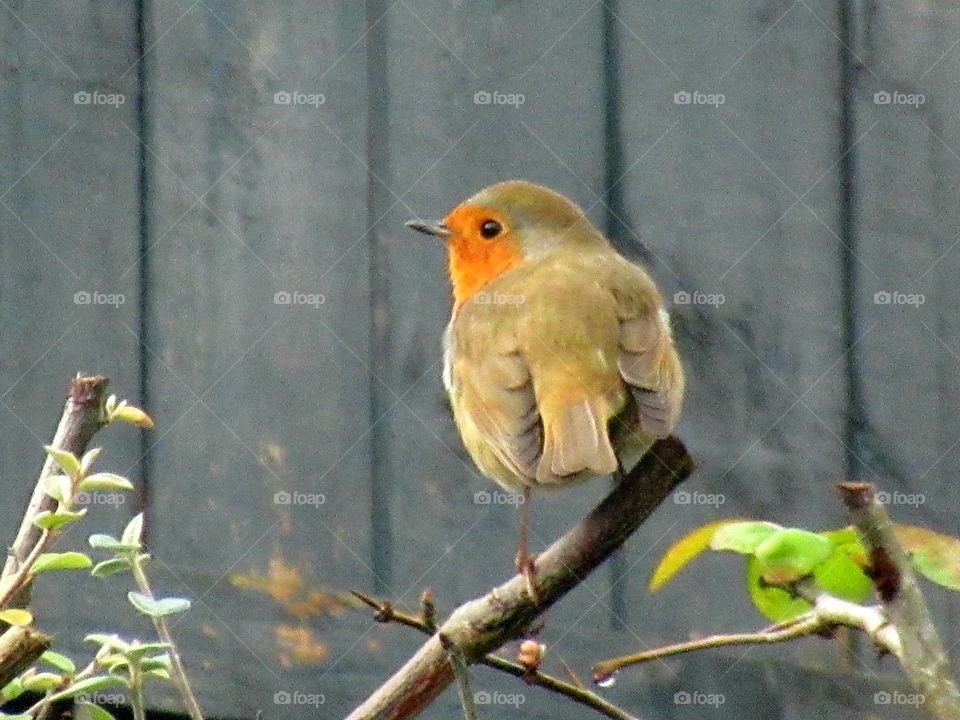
105	640
88	685
86	462
61	561
47	520
60	488
110	567
138	651
841	577
133	532
114	662
4	716
65	459
158	607
89	711
158	662
742	537
772	602
41	682
60	662
934	555
99	541
159	672
131	414
682	551
790	554
12	690
16	616
105	481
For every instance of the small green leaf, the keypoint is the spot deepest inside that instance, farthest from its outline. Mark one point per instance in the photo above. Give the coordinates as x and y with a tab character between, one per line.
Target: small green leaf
935	556
12	690
841	577
99	541
16	616
790	554
89	711
89	685
742	537
61	561
159	672
60	662
105	481
86	462
772	602
682	551
114	662
65	459
41	682
138	651
131	414
105	640
110	567
133	532
4	716
60	488
47	520
158	662
158	607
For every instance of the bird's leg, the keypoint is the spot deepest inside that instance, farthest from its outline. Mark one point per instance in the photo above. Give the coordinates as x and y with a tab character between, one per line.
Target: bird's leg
525	561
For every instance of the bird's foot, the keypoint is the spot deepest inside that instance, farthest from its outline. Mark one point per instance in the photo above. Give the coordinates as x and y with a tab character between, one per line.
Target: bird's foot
526	566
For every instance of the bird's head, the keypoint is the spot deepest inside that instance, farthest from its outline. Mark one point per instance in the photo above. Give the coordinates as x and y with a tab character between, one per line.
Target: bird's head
502	226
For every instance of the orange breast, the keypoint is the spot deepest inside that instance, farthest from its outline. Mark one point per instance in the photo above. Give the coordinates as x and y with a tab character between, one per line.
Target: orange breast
474	264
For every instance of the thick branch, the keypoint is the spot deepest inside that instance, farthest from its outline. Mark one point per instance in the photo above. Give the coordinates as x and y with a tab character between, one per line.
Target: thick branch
924	660
80	420
19	648
486	623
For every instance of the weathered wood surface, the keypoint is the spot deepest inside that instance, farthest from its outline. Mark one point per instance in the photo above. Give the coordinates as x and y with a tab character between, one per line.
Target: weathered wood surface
246	197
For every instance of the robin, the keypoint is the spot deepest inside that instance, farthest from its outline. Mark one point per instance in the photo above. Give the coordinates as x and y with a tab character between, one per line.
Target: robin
558	358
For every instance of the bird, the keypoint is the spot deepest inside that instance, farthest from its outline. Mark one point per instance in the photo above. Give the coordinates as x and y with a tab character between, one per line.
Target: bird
558	360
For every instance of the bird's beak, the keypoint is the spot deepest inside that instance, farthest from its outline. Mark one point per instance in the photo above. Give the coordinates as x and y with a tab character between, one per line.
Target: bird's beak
430	227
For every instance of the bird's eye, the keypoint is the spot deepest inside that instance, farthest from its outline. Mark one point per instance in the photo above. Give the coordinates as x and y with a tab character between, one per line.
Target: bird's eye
490	228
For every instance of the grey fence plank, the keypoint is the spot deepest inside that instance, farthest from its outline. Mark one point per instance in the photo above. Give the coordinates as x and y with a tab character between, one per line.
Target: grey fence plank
734	192
261	399
68	266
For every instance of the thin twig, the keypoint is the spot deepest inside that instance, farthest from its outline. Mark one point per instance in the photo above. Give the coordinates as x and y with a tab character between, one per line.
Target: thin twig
386	613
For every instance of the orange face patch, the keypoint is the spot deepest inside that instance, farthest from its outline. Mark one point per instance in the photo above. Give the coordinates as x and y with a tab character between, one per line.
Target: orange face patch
475	260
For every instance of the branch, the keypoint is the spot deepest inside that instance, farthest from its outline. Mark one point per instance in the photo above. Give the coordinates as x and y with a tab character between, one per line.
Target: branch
827	613
486	623
385	613
80	421
924	660
19	647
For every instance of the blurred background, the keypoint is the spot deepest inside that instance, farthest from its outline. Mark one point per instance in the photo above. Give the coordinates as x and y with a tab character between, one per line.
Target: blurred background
204	200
